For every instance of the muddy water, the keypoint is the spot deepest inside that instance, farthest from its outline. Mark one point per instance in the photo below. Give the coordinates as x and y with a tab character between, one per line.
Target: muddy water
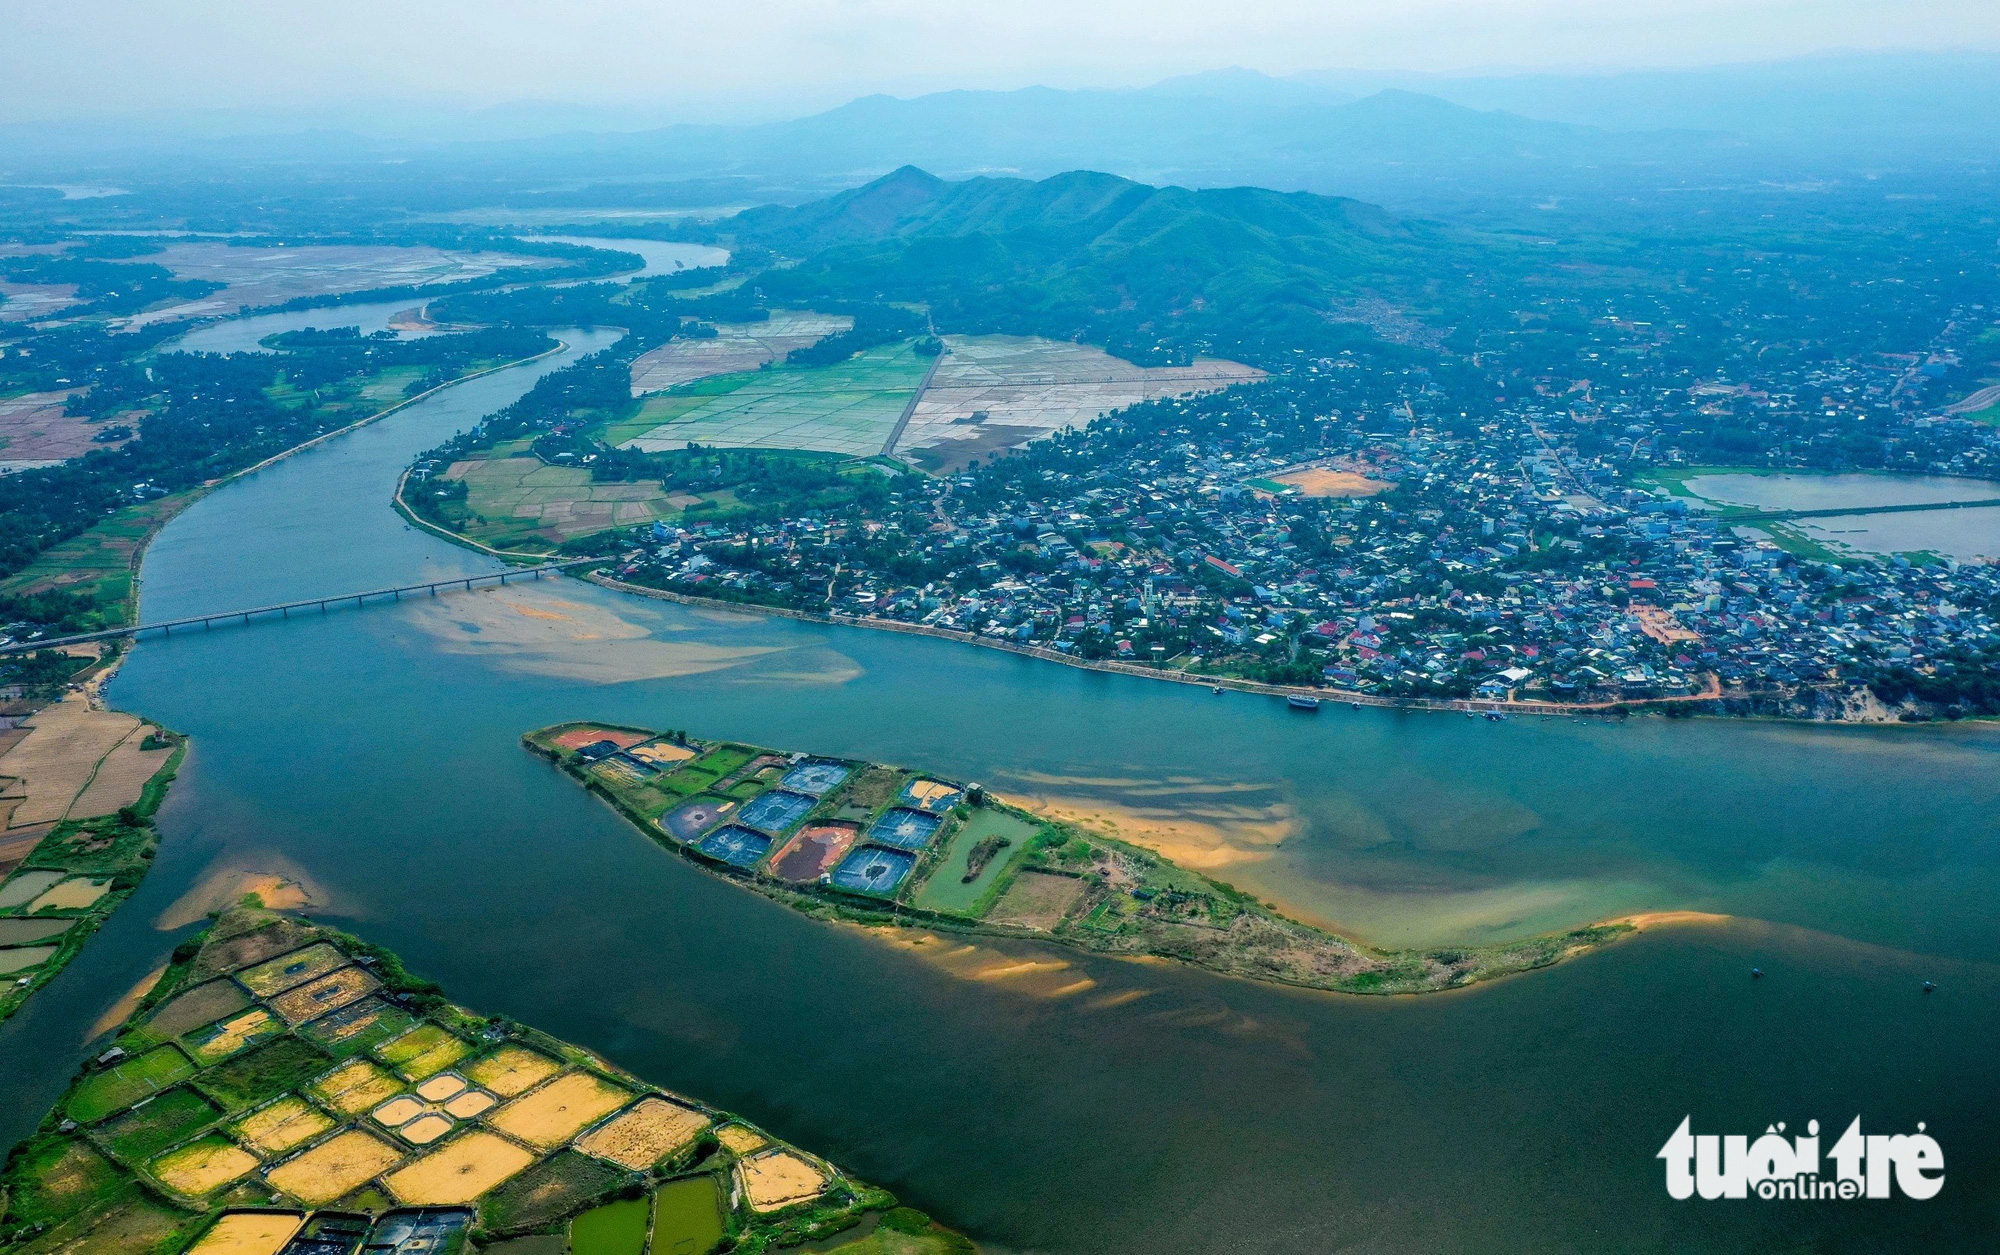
1040	1099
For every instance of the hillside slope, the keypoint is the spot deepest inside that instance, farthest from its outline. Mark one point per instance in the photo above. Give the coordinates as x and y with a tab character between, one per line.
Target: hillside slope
1159	272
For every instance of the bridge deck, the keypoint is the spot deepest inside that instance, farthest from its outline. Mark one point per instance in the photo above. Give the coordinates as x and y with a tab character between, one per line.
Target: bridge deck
285	608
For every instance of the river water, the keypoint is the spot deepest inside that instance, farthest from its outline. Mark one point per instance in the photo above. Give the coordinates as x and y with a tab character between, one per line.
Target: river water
1038	1099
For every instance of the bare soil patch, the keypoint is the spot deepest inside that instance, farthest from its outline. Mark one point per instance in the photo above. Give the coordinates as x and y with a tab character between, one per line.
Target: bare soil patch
329	993
249	1233
55	762
778	1179
1323	482
549	1116
355	1086
1037	900
204	1167
459	1171
288	971
641	1137
814	852
121	777
333	1168
290	1121
204	1004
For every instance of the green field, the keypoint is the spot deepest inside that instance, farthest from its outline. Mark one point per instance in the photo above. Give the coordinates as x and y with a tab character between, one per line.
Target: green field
519	500
143	1131
850	408
100	1095
264	1072
947	890
98	561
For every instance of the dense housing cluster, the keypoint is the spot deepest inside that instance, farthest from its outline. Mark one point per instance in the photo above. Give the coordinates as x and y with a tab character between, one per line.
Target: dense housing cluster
1390	531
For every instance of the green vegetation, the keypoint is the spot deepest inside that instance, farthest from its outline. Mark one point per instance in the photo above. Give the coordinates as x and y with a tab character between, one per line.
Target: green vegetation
137	1156
171	1118
1028	876
263	1073
117	847
119	1087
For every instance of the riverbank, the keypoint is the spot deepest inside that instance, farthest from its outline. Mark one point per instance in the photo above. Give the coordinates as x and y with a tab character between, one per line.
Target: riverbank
872	844
1714	694
80	783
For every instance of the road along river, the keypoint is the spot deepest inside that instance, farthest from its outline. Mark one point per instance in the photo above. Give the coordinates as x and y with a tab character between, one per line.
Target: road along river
1039	1099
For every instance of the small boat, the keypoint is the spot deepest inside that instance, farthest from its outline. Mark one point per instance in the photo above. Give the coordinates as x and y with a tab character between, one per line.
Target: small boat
1756	973
1928	987
1354	705
1495	716
1217	690
1302	703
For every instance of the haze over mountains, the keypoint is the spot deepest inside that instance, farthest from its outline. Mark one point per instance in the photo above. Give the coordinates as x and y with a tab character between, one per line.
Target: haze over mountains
1412	141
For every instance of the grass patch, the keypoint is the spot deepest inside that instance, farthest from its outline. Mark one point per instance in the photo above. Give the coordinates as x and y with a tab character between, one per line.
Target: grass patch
51	1179
263	1073
548	1191
423	1051
145	1131
118	1088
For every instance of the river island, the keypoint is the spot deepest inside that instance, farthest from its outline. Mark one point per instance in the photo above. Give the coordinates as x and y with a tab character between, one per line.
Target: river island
876	845
287	1089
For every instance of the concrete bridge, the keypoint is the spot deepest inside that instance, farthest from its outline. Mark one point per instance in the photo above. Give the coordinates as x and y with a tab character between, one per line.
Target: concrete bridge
285	609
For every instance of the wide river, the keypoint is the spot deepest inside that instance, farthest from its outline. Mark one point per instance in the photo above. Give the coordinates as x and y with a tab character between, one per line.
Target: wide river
1038	1099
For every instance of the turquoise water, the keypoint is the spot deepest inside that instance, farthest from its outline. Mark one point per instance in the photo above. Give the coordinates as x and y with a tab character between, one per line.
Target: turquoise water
1039	1099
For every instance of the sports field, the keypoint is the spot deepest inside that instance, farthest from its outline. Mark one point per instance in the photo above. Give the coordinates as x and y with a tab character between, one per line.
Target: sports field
735	347
999	392
848	409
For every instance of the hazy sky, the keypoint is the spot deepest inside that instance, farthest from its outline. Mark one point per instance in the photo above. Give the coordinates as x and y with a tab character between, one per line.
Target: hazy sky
64	58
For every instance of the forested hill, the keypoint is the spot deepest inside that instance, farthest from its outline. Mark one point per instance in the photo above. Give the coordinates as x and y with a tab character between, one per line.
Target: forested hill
1153	272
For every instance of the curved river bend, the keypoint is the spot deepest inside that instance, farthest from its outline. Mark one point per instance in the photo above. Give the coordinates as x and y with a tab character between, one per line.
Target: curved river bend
1047	1101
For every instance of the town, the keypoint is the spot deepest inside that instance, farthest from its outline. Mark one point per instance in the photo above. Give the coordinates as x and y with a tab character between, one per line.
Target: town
1322	531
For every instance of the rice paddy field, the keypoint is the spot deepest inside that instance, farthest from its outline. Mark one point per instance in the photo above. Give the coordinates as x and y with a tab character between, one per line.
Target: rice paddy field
255	277
519	500
850	409
736	347
197	1134
100	560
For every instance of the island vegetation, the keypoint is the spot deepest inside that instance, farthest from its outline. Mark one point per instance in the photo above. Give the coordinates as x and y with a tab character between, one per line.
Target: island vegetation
284	1087
884	846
